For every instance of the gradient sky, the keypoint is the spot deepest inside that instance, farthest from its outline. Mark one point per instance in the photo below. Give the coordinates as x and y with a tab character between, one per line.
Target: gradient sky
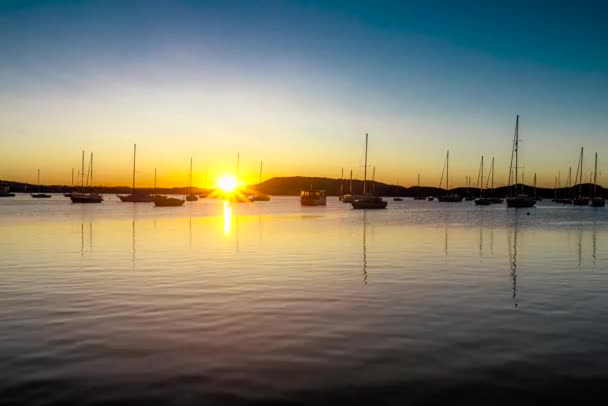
298	84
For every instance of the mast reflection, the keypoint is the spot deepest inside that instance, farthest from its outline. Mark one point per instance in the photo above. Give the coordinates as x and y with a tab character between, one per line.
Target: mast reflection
364	247
83	239
513	258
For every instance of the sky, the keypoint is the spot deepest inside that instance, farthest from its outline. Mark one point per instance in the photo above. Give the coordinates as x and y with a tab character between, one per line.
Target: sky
297	85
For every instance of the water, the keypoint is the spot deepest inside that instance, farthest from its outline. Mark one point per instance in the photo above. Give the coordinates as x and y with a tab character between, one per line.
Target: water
424	302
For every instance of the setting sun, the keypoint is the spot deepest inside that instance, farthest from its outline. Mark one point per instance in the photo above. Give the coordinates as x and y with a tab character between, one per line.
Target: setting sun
227	183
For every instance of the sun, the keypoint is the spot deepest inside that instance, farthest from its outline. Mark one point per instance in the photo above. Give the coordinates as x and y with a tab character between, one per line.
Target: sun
227	183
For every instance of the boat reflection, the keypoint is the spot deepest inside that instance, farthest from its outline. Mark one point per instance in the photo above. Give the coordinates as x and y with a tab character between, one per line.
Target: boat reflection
227	218
133	243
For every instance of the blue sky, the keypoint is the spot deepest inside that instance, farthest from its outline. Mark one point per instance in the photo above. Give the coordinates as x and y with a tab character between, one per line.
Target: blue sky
298	84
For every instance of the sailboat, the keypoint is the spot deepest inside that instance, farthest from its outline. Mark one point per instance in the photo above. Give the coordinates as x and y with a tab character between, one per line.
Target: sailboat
348	198
40	195
453	197
260	197
490	182
596	201
514	199
418	195
191	197
368	201
165	201
136	197
538	198
580	200
82	197
481	201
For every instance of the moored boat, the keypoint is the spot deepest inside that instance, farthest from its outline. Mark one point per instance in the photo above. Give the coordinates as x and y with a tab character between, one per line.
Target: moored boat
368	201
448	197
515	200
82	197
596	201
313	197
5	191
40	195
135	196
164	201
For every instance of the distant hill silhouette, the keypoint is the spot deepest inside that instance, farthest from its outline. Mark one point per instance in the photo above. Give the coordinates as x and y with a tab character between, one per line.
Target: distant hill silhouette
292	185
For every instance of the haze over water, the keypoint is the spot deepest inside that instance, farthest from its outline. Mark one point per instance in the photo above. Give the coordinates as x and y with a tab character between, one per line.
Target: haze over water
276	302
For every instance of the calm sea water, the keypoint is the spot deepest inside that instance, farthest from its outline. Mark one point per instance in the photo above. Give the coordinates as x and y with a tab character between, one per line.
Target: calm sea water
210	303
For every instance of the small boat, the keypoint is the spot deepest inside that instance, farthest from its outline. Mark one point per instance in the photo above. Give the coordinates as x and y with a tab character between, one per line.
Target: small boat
448	197
313	197
69	194
135	197
368	201
483	201
349	197
164	201
40	195
5	191
78	197
260	197
419	195
191	197
596	201
397	199
430	198
82	197
517	200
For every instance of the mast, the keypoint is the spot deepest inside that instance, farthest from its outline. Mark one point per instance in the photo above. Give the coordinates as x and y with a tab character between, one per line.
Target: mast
374	180
580	185
38	178
154	180
516	149
342	183
190	180
91	170
350	189
134	154
72	177
260	173
418	184
534	184
481	184
82	174
595	177
555	189
447	172
365	168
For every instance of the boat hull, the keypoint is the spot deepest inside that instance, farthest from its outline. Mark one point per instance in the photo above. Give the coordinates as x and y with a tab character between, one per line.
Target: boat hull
359	205
517	202
163	201
137	198
259	198
41	196
581	201
450	199
191	198
597	202
482	202
86	198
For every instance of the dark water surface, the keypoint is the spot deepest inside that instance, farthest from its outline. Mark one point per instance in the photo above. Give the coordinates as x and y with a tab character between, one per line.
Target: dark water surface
270	302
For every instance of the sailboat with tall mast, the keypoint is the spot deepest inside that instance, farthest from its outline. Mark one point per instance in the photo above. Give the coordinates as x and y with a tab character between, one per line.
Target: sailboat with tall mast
348	198
368	200
260	197
68	194
136	197
40	195
515	199
596	201
191	197
165	201
448	197
579	199
82	196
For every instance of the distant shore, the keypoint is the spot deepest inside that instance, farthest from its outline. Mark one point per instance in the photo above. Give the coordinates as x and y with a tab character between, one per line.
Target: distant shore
292	185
